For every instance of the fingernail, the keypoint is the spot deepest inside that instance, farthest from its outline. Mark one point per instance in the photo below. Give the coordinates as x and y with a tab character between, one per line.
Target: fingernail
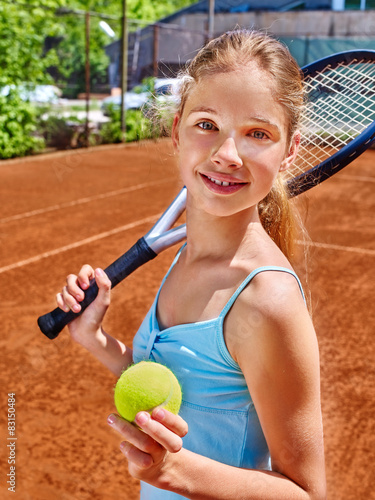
124	447
142	418
76	308
111	419
99	272
159	414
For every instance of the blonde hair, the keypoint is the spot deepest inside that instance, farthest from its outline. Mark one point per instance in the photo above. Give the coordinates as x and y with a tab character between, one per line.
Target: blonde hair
232	51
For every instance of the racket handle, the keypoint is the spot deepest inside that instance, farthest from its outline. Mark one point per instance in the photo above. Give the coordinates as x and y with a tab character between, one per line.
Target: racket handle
53	322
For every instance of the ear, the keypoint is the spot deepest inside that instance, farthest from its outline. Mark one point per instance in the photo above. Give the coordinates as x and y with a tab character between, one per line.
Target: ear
293	151
176	132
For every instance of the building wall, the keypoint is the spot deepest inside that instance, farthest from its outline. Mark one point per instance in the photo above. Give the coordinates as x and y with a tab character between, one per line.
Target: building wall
160	50
298	23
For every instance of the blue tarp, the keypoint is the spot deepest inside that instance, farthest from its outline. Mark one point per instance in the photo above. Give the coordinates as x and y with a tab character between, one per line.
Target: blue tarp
308	49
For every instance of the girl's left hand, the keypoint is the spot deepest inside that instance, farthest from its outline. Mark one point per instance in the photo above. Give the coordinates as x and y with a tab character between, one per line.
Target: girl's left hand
149	446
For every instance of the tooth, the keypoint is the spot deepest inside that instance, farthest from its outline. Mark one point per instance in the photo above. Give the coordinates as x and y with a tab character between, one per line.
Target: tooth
221	183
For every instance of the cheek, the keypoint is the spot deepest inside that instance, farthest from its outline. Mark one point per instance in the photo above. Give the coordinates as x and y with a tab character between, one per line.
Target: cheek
266	163
185	165
193	154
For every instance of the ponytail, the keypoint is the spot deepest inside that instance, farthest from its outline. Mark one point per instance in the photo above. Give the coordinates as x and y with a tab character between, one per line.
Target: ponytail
279	218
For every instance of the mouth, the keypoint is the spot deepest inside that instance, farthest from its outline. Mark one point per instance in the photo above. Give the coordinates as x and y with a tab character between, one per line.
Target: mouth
222	186
221	183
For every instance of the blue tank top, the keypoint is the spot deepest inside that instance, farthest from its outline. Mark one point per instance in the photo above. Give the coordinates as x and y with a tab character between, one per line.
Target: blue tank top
216	403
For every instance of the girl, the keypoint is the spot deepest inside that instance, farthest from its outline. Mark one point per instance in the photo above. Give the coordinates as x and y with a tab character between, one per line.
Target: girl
230	318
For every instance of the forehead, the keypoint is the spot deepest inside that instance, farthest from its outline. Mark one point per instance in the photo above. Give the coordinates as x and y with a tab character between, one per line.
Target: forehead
248	90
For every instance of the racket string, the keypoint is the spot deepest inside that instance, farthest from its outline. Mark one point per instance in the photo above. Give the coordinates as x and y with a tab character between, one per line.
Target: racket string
340	105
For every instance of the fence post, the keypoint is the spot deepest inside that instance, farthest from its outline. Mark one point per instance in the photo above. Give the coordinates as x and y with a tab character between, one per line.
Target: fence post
124	71
156	51
87	77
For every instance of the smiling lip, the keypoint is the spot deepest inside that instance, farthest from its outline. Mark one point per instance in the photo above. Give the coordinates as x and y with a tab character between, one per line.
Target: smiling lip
222	184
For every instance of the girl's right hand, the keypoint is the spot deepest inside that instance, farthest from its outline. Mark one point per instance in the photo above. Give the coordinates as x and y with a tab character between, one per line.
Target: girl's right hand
89	322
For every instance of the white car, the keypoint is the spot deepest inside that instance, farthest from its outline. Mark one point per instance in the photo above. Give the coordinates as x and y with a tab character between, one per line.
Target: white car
163	88
43	94
133	100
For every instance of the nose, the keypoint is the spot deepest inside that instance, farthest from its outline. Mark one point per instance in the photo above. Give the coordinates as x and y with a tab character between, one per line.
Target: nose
227	154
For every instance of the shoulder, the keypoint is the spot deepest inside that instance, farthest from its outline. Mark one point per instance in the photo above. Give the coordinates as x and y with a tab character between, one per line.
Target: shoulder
274	294
270	314
278	284
272	338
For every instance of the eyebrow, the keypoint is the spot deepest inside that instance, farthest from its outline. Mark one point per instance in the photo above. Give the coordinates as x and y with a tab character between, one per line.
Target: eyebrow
265	121
200	109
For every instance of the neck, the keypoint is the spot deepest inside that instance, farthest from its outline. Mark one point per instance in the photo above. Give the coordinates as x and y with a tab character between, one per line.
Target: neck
220	237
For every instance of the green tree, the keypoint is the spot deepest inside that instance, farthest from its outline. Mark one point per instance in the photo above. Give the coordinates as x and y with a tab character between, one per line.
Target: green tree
38	46
23	30
71	52
71	48
23	60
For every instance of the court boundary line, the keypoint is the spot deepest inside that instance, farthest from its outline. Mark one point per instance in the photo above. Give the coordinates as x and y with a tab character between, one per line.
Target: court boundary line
77	244
358	178
153	218
332	246
81	201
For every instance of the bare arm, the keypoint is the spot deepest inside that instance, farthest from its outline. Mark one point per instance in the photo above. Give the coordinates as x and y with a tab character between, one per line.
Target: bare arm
280	361
281	365
87	329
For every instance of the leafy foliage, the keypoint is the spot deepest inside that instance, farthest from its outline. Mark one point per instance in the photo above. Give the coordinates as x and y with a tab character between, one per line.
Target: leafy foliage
71	47
37	46
57	131
138	127
23	57
17	127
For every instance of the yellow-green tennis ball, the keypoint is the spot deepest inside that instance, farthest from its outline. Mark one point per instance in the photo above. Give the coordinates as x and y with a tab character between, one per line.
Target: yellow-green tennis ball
145	386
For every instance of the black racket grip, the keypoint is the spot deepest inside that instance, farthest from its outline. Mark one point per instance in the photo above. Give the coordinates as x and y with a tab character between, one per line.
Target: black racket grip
53	322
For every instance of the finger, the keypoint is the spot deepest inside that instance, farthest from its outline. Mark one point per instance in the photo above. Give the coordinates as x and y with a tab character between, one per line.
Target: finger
137	457
85	275
161	434
104	286
61	303
173	422
134	435
73	288
69	300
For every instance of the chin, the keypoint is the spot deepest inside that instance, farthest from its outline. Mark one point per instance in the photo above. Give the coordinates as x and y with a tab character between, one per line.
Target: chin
225	208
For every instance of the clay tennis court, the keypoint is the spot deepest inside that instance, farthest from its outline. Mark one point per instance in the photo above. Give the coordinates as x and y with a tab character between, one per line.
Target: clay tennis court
61	210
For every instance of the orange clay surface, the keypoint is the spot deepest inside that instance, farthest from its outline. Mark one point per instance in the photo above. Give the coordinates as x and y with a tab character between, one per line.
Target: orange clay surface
64	448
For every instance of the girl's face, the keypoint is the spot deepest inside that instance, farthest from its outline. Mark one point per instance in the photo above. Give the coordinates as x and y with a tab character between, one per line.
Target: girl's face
232	141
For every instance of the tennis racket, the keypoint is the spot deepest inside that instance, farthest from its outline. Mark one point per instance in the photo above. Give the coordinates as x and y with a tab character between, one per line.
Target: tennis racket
337	126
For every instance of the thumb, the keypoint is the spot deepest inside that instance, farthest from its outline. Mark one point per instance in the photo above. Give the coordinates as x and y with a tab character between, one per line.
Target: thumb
96	311
104	285
92	317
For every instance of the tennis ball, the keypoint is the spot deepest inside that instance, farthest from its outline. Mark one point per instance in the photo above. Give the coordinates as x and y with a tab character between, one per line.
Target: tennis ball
143	387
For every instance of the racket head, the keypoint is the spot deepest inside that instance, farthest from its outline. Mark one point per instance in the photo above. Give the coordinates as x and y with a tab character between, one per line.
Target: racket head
338	122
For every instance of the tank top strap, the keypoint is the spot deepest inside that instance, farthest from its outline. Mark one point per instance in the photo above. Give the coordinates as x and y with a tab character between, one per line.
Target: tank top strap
171	266
247	280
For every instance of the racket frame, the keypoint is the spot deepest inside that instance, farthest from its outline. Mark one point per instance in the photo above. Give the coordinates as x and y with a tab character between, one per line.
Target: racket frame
317	174
162	235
